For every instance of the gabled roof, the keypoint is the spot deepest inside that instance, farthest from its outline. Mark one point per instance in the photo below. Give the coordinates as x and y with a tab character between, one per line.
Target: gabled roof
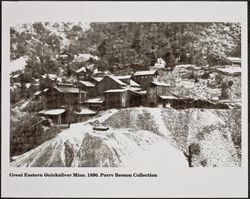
64	89
82	69
133	83
145	72
87	83
117	80
98	79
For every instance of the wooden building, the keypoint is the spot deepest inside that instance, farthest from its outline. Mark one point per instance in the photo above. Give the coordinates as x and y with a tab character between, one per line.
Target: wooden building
84	114
59	96
88	87
97	103
156	89
107	83
81	72
57	115
124	78
121	98
144	78
95	80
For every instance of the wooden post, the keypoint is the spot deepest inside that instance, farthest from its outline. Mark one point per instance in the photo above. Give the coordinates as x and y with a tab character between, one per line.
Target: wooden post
59	119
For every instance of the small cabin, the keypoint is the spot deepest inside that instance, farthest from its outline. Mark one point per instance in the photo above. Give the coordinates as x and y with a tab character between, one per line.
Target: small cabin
56	115
58	96
121	98
107	83
97	103
88	87
84	114
156	89
144	78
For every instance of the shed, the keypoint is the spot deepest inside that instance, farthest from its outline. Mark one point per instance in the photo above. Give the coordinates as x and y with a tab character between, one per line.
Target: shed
87	86
96	103
124	78
121	98
107	83
154	89
95	80
84	114
58	96
166	99
54	114
144	78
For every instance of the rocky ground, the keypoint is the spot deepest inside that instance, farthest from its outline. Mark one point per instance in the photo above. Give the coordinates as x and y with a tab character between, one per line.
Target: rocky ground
143	137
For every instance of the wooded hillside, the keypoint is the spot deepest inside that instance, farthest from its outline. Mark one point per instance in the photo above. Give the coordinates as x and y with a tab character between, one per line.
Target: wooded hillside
126	45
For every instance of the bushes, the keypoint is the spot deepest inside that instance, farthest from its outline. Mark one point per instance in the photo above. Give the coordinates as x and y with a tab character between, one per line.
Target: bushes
28	132
225	85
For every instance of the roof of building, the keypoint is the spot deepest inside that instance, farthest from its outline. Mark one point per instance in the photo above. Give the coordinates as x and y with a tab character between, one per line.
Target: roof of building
234	59
122	77
65	84
116	80
132	88
96	100
230	70
82	69
37	93
87	83
52	112
167	97
85	111
65	89
98	79
133	83
116	90
143	92
45	90
157	83
145	72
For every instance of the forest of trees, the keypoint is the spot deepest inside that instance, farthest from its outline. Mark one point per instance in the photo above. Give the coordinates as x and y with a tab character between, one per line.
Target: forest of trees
126	45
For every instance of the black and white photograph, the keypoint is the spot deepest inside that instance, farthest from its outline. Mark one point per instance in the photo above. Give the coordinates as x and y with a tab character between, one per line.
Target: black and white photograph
108	94
125	94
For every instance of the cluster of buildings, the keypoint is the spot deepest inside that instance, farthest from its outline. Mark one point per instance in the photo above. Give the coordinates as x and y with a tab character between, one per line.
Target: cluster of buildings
101	91
93	91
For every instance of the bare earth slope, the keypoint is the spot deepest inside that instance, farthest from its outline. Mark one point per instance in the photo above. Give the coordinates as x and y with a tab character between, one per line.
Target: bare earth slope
142	137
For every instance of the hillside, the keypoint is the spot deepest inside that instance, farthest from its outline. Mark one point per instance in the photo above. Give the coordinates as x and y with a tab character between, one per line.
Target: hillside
143	137
128	45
